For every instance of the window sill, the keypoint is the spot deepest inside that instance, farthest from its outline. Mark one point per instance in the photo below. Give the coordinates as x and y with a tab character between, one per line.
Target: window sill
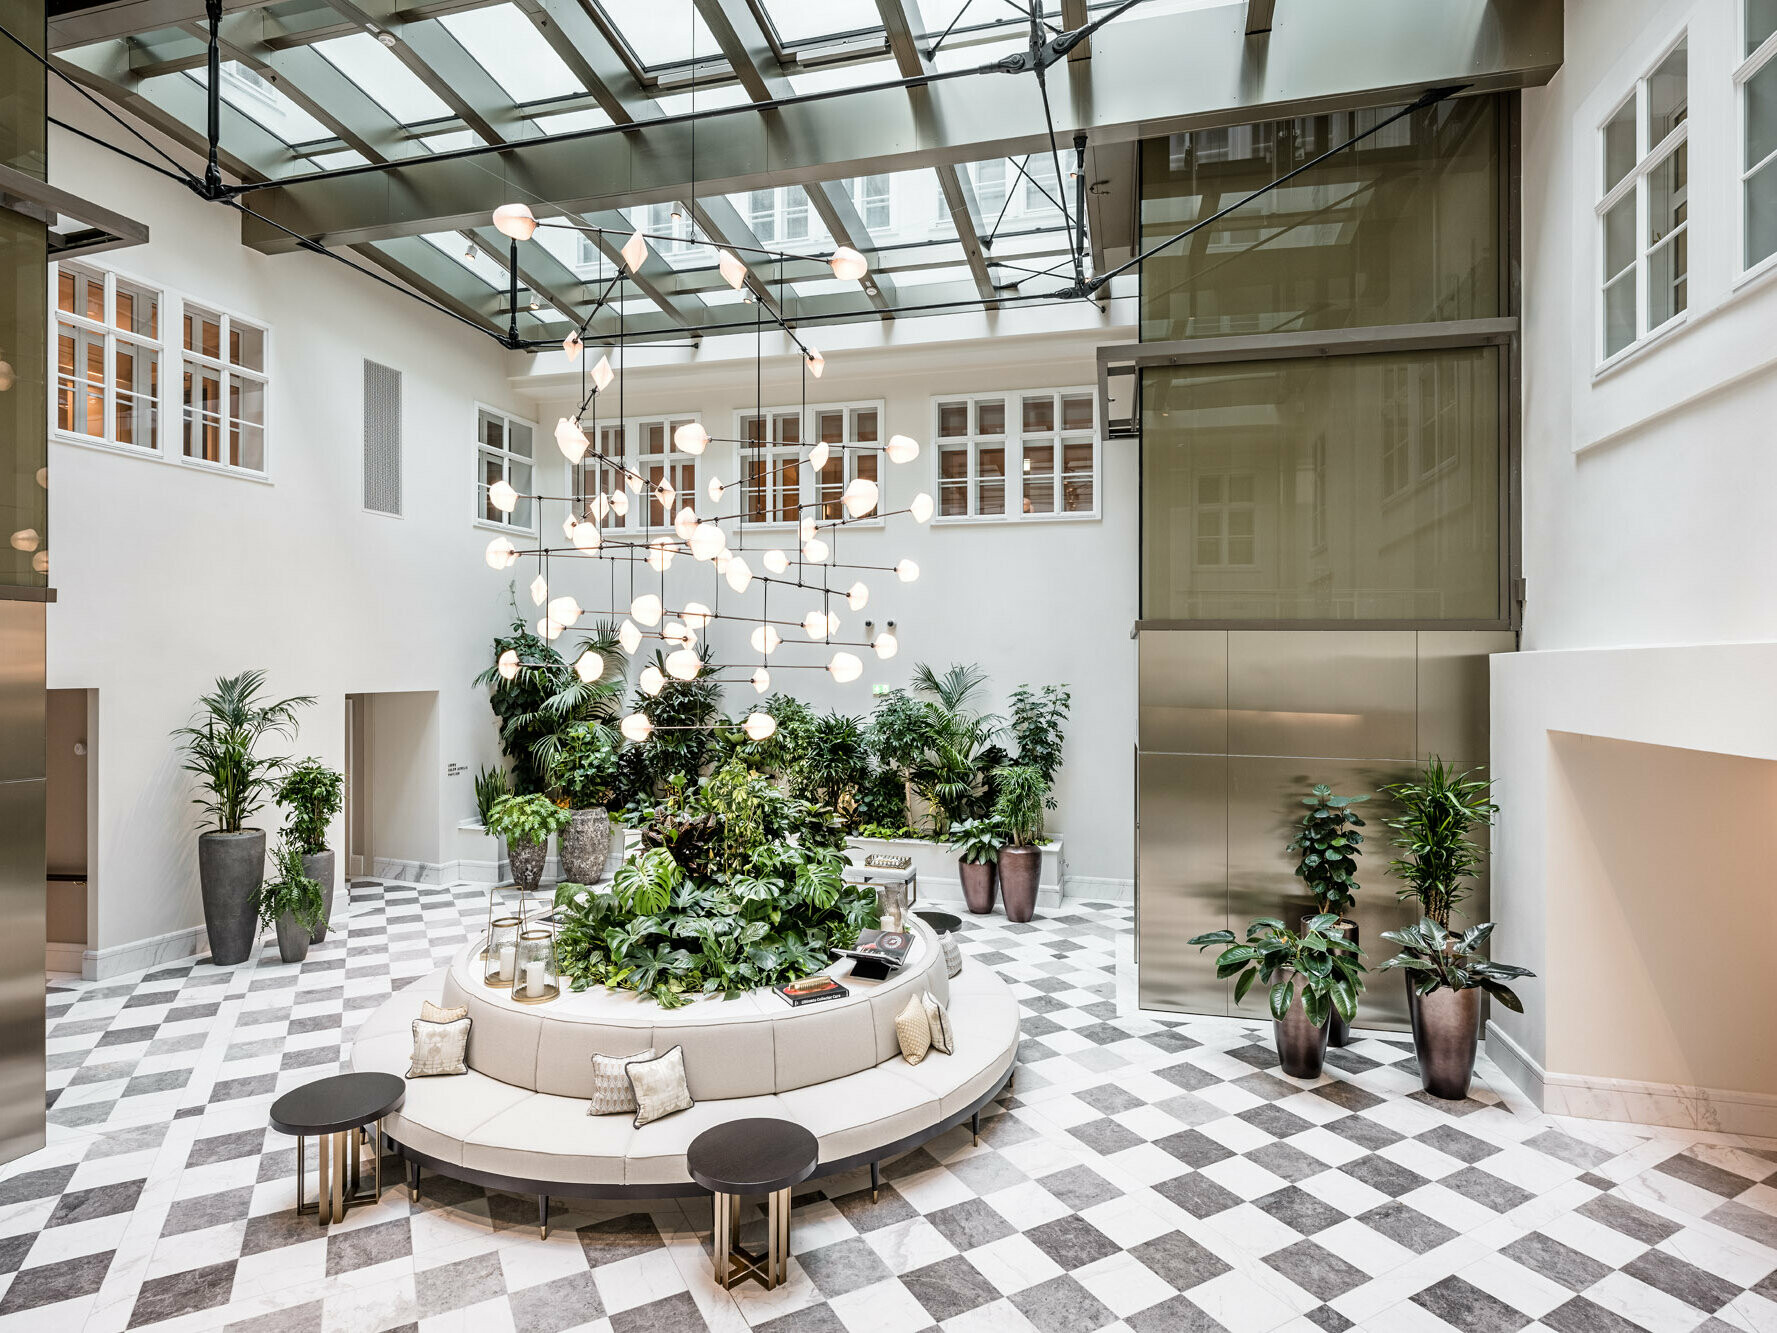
1002	520
221	469
1651	339
109	447
509	529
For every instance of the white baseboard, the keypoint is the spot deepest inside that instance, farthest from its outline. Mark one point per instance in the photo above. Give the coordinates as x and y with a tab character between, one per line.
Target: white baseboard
138	955
1592	1097
1089	888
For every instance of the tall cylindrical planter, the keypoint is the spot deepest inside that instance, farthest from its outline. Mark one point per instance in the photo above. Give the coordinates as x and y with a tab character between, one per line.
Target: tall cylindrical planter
977	880
1338	1030
1446	1029
1301	1045
230	869
526	860
586	846
1020	868
318	866
293	939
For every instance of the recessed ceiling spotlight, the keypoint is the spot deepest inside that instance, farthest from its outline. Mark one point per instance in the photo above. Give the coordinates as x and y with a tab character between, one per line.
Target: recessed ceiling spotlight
387	39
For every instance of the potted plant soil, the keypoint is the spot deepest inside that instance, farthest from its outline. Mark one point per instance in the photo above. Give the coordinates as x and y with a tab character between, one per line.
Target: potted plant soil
526	823
1328	845
1312	976
221	745
1018	809
583	775
977	847
1446	976
291	902
313	795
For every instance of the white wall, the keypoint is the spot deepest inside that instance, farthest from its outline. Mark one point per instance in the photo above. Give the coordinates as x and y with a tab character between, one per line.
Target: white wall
1649	524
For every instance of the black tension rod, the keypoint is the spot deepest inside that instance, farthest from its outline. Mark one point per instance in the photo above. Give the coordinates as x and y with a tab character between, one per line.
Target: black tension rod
213	187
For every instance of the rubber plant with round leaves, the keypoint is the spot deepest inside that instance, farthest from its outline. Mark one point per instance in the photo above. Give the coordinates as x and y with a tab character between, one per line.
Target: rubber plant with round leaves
1327	845
1310	976
1446	976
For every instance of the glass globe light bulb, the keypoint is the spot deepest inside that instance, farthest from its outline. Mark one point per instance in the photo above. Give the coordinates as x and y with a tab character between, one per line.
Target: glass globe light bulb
817	364
765	640
921	508
589	666
860	496
676	631
739	574
619	503
846	263
651	681
906	571
761	680
629	638
776	562
602	374
858	596
683	664
539	590
707	539
635	251
660	555
760	726
715	491
549	629
634	483
573	345
733	272
585	536
816	550
502	497
691	438
636	727
516	221
666	493
685	523
807	528
564	611
887	645
501	554
902	448
818	456
646	609
509	664
571	440
845	667
697	615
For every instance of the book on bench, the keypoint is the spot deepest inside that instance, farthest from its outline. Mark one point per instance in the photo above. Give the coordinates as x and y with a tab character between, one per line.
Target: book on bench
811	989
877	953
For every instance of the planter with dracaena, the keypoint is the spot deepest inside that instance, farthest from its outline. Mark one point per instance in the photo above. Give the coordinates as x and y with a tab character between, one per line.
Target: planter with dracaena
1310	977
1018	809
312	796
1446	977
1327	845
221	746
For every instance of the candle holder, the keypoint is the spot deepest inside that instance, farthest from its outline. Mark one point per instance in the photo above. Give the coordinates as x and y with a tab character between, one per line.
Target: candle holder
501	959
493	890
891	906
535	980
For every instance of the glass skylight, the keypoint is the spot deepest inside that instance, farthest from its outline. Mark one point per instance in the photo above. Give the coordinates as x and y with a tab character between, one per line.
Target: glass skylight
380	73
260	101
853	74
799	21
508	46
470	255
662	32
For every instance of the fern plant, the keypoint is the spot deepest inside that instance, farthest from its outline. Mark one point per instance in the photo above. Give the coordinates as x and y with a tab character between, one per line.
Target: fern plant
290	891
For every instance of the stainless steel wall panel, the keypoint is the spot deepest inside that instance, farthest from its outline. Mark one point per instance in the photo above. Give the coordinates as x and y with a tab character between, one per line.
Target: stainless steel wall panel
1182	863
1348	693
1182	692
22	897
22	702
1452	689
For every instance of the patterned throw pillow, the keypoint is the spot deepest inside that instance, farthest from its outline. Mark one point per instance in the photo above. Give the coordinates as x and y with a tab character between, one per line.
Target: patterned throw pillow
437	1013
913	1030
438	1048
611	1093
953	953
938	1020
659	1086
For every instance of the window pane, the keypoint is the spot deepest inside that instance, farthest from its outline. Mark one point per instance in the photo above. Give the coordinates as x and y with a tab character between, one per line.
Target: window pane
1076	480
379	72
1667	195
1666	210
832	427
1430	551
790	497
138	389
953	481
203	332
990	417
510	47
138	309
1039	415
1666	281
491	430
1619	236
787	429
246	345
1761	113
1761	214
1076	412
1619	314
1619	145
1666	96
863	426
864	465
1761	22
519	438
991	480
953	420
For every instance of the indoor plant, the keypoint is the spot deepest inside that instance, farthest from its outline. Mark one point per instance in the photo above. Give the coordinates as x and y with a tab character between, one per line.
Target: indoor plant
1018	809
977	843
221	745
490	785
1328	844
526	822
292	902
1434	833
583	777
1326	964
1446	975
313	796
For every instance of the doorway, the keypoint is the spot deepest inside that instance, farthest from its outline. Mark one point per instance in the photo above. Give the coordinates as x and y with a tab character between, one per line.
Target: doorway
68	828
392	784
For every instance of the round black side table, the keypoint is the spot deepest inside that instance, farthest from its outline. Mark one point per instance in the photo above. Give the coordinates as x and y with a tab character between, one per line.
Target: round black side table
941	922
752	1157
334	1110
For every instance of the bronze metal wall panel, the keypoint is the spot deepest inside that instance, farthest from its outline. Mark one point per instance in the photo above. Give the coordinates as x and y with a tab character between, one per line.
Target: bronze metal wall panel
1182	863
22	898
1452	689
1348	693
22	702
1182	692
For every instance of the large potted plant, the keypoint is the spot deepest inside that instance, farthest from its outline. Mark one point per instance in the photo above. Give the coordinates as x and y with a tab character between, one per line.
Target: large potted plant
977	843
1311	977
312	796
526	822
583	776
1327	845
292	902
221	745
1018	809
1446	977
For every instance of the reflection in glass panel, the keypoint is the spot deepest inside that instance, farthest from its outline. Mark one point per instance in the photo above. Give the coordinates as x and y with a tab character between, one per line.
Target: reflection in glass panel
990	481
389	83
257	98
1619	144
1402	229
1269	490
246	345
1619	313
1761	214
662	32
1761	22
1761	114
805	20
508	46
953	480
990	417
1076	477
138	309
1666	213
138	394
1667	96
1039	478
1619	236
953	419
1039	415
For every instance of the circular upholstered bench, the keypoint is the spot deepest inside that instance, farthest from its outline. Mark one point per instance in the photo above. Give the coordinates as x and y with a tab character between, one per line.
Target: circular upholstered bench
518	1119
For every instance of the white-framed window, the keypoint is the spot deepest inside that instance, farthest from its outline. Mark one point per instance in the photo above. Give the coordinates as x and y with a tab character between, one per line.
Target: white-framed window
840	426
107	358
224	389
644	445
505	450
1755	83
1423	410
1225	520
778	215
1643	207
1024	454
873	197
779	486
771	466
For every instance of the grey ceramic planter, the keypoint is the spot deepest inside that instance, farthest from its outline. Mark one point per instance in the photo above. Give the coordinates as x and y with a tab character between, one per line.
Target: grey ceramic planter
318	866
526	860
1301	1045
1020	868
293	938
586	846
1446	1029
230	869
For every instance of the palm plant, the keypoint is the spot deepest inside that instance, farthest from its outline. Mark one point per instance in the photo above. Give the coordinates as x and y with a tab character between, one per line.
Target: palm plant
1018	808
1441	809
221	747
547	696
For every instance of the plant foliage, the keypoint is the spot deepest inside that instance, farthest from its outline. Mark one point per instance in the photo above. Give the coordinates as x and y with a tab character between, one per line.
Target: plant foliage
1037	725
221	745
1436	958
1441	809
490	785
583	771
1321	960
1023	794
977	842
1328	843
313	794
291	891
547	697
526	820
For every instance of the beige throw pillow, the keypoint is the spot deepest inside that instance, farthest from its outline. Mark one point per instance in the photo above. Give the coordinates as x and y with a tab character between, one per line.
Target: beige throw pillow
438	1048
953	953
913	1030
659	1086
938	1021
611	1093
437	1013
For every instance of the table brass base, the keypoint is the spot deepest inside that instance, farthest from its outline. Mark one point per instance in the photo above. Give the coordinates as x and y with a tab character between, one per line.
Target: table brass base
339	1173
734	1264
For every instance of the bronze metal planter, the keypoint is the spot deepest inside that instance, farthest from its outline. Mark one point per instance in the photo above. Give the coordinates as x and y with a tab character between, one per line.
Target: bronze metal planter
1020	868
1301	1045
1446	1028
978	889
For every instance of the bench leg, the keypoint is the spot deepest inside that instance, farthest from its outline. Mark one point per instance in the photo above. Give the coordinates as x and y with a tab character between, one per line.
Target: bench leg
777	1250
975	1127
875	1180
413	1182
543	1216
323	1180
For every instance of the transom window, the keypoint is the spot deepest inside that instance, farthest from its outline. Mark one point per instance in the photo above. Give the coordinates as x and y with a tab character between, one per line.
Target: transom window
224	390
505	451
645	446
1643	211
1756	80
108	354
1026	455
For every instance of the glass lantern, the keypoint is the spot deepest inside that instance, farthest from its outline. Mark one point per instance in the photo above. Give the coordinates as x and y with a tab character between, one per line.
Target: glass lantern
891	905
493	905
534	978
502	951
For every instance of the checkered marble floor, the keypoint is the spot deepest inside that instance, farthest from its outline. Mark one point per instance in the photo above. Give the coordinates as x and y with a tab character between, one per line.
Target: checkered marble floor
1144	1175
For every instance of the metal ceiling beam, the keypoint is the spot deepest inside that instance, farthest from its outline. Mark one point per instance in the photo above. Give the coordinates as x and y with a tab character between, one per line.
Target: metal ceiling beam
98	23
585	49
420	274
1149	76
1259	16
